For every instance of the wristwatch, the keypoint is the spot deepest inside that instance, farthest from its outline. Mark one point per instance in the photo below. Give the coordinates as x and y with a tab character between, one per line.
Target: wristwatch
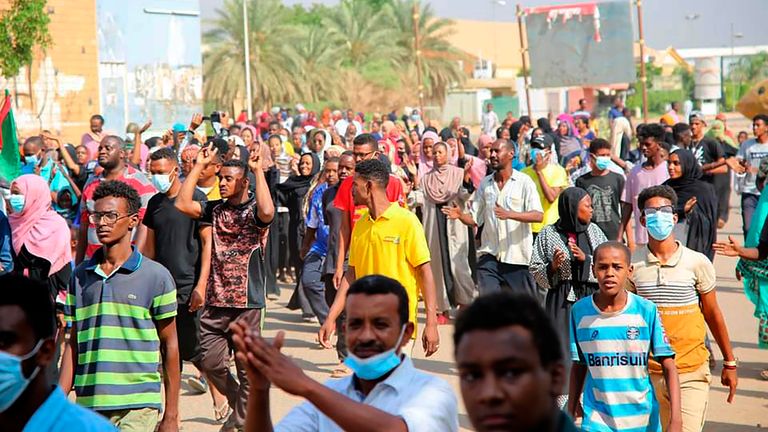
731	364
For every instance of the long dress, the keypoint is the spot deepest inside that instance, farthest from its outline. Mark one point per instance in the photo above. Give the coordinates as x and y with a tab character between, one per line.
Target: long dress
448	242
755	273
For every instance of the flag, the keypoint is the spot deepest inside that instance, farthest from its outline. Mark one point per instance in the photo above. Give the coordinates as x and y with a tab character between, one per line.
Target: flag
10	162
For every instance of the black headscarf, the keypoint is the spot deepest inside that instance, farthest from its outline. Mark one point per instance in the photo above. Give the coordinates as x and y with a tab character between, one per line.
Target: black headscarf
569	225
514	131
702	220
299	184
544	125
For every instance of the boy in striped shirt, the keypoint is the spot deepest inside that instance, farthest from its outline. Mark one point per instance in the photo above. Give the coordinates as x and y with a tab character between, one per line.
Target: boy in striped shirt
613	333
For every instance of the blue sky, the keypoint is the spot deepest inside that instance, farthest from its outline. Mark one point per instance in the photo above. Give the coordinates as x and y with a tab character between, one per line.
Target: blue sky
664	20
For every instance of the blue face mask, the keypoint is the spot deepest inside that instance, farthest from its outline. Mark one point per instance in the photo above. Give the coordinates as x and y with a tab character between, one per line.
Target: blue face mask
602	162
415	117
12	379
660	225
31	160
375	367
162	182
534	154
16	202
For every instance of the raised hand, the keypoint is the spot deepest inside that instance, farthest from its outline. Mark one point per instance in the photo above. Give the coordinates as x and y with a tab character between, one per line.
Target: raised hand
197	120
146	126
206	155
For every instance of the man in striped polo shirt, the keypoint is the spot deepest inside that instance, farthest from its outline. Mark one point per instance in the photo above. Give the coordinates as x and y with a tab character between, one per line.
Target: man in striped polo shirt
123	309
681	282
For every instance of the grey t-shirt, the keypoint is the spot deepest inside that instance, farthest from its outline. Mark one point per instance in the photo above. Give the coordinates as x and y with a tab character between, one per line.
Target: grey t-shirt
752	152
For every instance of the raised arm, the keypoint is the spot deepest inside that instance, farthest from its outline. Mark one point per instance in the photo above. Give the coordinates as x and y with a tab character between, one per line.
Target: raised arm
54	142
265	207
184	201
137	143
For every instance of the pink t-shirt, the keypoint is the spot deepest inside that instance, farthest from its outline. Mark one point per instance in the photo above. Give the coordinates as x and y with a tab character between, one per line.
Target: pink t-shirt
637	180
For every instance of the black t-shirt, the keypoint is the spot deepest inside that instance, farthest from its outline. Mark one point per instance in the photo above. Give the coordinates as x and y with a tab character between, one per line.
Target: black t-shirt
606	200
707	151
332	217
177	241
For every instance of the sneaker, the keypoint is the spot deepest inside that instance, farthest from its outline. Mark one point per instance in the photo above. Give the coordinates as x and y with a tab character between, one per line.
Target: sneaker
310	319
198	384
443	320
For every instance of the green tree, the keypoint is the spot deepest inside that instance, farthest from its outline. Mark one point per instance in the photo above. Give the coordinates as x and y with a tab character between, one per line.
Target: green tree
274	62
439	59
321	61
23	27
363	33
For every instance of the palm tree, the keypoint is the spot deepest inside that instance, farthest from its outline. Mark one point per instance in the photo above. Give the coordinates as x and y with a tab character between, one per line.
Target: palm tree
362	32
274	61
440	68
321	60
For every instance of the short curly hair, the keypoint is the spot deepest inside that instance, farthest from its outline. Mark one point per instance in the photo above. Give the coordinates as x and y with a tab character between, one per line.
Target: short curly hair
661	191
164	153
119	189
373	170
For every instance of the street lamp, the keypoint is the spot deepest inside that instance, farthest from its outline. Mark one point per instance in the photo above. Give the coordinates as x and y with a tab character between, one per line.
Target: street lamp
246	46
734	35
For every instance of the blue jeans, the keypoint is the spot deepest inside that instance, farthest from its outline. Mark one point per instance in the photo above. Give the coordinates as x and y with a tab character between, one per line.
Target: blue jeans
313	285
748	206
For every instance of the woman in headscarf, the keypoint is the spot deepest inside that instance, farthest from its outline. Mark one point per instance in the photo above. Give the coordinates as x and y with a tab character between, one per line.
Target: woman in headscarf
696	203
447	185
722	182
561	263
567	144
291	194
41	238
426	161
311	120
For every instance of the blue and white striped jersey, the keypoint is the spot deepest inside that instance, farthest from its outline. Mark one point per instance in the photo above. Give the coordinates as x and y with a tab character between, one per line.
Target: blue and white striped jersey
615	347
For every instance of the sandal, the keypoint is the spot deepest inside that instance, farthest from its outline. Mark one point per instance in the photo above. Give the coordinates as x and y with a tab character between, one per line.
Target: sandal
221	413
341	371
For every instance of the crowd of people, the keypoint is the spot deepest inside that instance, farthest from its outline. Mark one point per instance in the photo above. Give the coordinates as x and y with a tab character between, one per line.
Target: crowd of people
576	267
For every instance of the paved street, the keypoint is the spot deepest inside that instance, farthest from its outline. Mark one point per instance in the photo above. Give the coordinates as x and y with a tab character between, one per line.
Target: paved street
749	412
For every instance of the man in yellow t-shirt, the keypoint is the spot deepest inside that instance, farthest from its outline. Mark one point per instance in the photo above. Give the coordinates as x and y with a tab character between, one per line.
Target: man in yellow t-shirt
550	179
387	240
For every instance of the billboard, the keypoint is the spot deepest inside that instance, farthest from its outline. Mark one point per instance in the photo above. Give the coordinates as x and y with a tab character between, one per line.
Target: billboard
584	44
150	61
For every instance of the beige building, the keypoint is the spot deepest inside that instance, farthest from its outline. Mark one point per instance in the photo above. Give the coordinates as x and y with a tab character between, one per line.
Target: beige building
60	91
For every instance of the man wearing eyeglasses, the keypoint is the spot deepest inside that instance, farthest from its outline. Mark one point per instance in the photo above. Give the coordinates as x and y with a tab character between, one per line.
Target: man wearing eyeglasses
681	282
123	309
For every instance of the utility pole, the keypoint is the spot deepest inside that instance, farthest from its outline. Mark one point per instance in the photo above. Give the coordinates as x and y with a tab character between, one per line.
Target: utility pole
417	51
247	47
523	49
643	78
